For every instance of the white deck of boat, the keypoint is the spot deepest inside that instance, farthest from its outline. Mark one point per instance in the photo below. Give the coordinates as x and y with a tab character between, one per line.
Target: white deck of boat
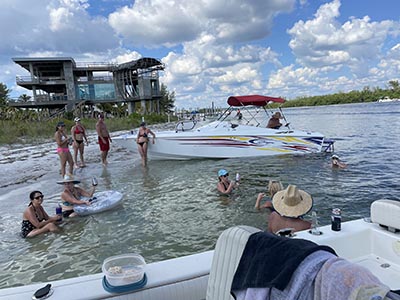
366	244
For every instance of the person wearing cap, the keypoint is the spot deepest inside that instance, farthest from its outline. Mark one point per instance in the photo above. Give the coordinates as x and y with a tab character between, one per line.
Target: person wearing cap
78	133
142	141
274	186
224	185
290	205
72	195
63	143
336	163
35	220
103	138
274	122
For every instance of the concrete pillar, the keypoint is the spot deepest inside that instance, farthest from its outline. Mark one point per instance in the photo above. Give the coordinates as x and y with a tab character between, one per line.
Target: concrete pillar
131	107
143	106
70	84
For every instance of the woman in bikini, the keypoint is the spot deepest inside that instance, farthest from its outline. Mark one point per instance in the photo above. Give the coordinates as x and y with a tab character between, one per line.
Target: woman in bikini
78	133
35	219
225	186
62	148
142	141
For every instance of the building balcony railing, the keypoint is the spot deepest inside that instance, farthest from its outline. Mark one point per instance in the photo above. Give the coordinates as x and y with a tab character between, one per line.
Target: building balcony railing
38	80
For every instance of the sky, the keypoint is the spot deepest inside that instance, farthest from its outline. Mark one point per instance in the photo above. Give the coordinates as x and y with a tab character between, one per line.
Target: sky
213	49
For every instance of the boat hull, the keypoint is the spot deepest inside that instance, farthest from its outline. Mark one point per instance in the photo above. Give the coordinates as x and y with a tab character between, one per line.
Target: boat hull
226	142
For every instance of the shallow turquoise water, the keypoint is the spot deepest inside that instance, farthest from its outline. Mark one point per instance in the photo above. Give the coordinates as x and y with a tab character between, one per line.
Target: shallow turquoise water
172	208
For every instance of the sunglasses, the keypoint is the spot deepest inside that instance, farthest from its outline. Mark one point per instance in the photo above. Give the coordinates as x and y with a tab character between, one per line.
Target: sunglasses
39	197
226	175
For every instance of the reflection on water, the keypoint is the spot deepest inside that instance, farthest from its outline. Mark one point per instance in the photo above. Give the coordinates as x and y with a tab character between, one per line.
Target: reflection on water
171	208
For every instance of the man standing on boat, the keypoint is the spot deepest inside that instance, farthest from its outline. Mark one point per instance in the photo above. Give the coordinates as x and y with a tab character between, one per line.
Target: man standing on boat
104	139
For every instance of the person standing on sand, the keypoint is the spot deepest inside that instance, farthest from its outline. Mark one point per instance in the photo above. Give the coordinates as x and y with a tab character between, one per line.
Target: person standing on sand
104	139
63	143
78	133
142	141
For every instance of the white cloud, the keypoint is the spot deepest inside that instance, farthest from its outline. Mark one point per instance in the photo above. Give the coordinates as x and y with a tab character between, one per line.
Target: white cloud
153	23
323	41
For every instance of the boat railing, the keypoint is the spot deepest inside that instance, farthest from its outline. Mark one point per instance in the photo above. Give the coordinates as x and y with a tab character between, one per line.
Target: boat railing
185	125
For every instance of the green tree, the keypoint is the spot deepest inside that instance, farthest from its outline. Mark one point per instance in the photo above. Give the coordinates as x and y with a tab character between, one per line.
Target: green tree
4	95
394	85
167	102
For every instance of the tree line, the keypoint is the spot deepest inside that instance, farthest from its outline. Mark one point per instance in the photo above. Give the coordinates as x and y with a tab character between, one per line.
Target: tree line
365	95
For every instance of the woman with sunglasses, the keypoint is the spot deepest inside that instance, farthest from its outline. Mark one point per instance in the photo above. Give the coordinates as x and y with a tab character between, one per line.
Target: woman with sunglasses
225	186
35	219
63	143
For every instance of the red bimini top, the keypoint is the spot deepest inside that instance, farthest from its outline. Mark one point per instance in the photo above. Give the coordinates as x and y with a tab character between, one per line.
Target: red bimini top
256	100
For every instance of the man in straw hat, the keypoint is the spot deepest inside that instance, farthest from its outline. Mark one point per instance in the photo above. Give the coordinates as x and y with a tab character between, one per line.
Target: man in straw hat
290	205
72	195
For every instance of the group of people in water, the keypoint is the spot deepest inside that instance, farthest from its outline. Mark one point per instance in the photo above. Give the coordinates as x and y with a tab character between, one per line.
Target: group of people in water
287	206
35	219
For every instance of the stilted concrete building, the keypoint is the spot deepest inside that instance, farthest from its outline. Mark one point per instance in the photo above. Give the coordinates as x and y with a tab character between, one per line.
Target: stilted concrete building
59	82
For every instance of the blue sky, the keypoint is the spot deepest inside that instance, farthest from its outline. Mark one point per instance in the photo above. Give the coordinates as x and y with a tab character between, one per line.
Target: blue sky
213	49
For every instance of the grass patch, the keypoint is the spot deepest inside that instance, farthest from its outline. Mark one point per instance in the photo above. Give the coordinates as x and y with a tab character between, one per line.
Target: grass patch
36	132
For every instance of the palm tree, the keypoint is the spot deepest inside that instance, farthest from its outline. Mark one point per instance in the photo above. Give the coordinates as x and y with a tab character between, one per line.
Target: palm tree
24	98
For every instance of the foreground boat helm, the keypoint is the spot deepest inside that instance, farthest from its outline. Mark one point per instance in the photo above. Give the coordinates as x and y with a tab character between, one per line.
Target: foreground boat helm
209	275
232	135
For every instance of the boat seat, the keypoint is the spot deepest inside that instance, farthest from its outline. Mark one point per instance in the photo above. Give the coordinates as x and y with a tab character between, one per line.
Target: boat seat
386	213
227	254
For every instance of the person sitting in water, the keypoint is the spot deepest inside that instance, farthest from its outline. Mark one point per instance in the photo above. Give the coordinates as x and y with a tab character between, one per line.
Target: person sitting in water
142	140
290	205
336	163
225	186
274	122
35	219
72	195
274	186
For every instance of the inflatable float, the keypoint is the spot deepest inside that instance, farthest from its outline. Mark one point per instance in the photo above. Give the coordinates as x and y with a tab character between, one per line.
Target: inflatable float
101	201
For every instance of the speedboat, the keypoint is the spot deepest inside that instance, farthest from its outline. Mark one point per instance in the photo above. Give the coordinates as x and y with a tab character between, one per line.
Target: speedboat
240	131
387	99
372	244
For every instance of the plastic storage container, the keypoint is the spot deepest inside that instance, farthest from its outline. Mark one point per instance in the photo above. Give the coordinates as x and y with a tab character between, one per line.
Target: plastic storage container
124	269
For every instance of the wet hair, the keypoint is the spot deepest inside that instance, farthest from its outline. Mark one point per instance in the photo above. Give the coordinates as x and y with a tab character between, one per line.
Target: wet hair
274	186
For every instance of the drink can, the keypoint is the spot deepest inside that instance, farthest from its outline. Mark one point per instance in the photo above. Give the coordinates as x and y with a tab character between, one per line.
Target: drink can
59	211
336	219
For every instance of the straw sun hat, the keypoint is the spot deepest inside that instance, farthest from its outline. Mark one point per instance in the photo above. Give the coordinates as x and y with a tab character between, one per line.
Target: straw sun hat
292	202
68	178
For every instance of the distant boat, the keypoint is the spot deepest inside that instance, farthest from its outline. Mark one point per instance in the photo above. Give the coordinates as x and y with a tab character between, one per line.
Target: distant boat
387	99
